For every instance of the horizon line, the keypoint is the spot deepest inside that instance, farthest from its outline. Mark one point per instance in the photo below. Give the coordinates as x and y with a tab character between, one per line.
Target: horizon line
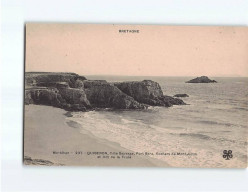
138	75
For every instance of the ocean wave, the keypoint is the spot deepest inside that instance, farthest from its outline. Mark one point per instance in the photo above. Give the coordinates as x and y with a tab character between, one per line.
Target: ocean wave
126	121
240	108
207	137
197	135
170	131
221	123
239	82
215	123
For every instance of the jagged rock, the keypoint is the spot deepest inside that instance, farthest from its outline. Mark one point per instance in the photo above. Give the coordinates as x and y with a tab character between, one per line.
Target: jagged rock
44	96
43	78
79	84
147	92
171	100
91	83
140	90
53	89
181	95
106	95
75	97
202	79
53	97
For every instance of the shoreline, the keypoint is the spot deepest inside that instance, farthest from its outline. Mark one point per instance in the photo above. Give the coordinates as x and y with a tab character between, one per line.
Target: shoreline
50	135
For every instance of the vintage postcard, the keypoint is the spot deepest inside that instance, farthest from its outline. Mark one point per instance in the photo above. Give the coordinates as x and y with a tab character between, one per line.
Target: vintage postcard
135	95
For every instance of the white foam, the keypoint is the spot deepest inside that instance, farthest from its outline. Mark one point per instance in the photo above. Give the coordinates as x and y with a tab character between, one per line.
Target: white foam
137	136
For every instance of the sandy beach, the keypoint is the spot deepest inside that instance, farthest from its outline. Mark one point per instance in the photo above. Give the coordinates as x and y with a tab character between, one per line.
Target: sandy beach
50	136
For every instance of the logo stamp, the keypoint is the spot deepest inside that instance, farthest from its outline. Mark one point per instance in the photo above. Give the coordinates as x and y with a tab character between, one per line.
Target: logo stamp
227	154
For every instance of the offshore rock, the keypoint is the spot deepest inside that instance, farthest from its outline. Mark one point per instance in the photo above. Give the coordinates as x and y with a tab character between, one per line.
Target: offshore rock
181	95
202	79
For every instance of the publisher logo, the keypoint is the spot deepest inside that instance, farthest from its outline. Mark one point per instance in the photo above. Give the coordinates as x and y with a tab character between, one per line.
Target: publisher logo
227	154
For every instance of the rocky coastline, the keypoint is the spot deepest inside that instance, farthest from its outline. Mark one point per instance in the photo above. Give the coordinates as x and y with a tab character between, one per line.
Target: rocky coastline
73	92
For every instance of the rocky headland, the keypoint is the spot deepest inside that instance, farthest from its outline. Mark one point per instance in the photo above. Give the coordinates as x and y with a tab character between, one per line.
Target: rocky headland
202	79
147	92
73	92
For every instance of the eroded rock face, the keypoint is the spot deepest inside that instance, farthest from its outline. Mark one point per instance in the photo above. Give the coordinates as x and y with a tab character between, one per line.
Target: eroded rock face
53	97
202	79
62	90
106	95
146	89
172	101
147	92
79	84
44	96
74	96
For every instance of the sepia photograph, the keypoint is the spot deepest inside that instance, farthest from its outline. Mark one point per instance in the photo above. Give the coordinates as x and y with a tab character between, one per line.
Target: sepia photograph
135	95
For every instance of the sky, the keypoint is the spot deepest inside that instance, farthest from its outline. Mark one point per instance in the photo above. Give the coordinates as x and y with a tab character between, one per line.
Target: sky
100	49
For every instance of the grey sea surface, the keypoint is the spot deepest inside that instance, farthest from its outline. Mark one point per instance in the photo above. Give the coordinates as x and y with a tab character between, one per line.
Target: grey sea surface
193	135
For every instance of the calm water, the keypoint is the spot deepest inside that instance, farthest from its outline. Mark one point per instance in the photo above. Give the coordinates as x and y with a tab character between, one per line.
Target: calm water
215	120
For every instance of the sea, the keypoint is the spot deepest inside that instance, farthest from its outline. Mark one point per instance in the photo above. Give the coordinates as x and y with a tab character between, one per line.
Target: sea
213	123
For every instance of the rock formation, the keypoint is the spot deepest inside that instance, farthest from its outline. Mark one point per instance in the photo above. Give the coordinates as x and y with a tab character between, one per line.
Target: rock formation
62	90
50	78
181	95
106	95
75	93
202	79
147	92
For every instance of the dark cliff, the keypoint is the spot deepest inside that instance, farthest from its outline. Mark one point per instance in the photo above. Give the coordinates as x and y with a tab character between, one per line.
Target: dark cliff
148	92
56	89
103	94
75	93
